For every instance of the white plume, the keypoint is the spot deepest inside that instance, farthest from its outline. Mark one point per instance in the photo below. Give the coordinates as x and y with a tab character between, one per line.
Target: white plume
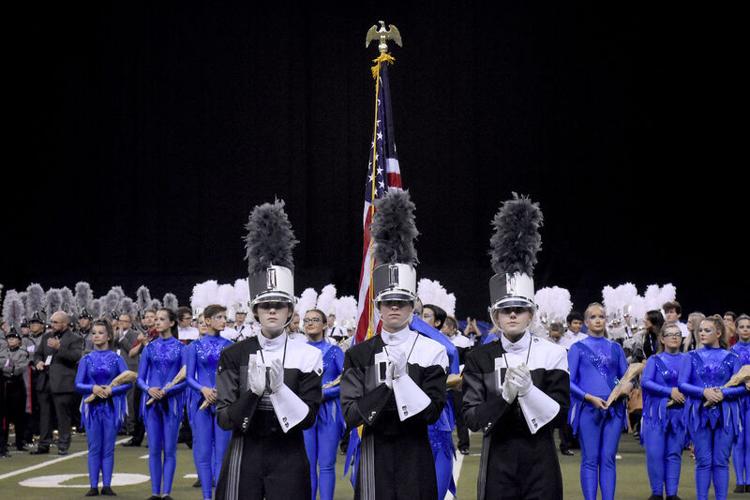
241	295
652	298
432	292
224	295
668	293
553	304
307	301
326	299
346	312
204	294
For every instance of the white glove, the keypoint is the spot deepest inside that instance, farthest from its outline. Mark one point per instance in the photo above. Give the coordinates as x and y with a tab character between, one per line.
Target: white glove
510	391
256	377
521	379
276	375
398	363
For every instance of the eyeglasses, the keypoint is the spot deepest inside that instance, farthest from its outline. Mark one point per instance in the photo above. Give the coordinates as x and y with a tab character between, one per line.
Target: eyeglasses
311	320
672	334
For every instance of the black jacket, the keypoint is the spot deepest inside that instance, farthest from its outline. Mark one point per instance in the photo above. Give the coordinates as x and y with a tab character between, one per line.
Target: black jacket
60	375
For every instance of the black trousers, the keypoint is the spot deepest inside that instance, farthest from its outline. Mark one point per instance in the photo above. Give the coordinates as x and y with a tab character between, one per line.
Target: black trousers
461	429
138	429
63	405
12	409
32	424
524	468
275	467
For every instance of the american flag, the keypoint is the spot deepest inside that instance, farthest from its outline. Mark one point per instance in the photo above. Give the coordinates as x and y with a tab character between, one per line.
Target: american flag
382	174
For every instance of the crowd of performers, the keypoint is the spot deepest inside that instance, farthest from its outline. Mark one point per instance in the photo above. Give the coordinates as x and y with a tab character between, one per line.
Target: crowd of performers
270	409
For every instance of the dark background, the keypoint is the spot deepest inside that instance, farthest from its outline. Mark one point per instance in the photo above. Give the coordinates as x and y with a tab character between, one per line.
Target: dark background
145	133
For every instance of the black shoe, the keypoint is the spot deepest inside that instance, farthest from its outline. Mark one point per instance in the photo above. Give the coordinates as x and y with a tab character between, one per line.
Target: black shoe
39	451
567	453
107	491
154	497
167	498
656	497
130	443
740	488
93	492
747	488
197	483
4	454
63	452
673	497
464	451
21	447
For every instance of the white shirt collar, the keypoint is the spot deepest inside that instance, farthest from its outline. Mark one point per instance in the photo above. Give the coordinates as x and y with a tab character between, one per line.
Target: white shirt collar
522	345
272	344
395	338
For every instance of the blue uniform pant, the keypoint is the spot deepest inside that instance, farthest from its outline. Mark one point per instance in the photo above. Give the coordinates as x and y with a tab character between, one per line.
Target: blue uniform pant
599	434
442	452
321	444
741	456
209	444
162	428
101	431
712	450
663	458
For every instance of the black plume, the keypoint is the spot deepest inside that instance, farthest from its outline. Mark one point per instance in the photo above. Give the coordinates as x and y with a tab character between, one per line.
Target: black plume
270	238
34	300
143	298
170	301
84	295
394	230
516	241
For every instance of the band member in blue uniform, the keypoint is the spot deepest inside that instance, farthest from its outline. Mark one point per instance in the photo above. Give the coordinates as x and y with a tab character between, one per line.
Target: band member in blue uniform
596	365
160	363
515	387
201	360
741	452
268	386
712	412
322	439
106	413
394	383
663	429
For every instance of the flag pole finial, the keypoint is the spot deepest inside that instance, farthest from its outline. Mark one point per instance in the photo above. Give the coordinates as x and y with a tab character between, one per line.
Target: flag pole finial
383	35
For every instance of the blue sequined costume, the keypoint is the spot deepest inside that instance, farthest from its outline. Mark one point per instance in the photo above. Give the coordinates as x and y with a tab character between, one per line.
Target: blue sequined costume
209	440
741	453
712	429
663	430
160	362
102	417
322	439
596	365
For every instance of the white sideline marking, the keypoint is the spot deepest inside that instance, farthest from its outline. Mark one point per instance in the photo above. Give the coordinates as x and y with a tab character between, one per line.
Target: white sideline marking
190	476
118	479
456	474
51	462
144	457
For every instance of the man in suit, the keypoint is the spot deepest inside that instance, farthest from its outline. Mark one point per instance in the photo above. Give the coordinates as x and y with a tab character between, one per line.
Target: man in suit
56	361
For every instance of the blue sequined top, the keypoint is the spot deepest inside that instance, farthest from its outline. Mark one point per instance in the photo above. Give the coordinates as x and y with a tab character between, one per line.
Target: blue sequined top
742	349
710	367
100	368
201	359
660	376
333	366
160	361
596	365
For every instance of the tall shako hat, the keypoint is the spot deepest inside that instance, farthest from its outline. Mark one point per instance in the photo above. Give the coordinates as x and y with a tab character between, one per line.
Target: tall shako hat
394	231
270	265
513	250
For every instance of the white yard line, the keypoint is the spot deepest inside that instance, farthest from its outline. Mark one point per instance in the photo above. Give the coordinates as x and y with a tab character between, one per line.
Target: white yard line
456	474
51	462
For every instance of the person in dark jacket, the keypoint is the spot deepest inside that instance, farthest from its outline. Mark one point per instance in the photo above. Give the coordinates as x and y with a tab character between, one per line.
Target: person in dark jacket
56	361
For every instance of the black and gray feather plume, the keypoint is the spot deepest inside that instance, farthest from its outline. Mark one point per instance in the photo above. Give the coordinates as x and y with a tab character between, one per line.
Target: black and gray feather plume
84	295
394	230
117	290
270	239
110	302
34	300
155	304
170	301
126	306
24	296
13	310
68	302
95	308
516	241
143	298
52	301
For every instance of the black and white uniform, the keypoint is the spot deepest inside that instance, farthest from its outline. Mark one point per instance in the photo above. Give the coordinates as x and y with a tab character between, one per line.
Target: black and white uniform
266	457
395	456
519	458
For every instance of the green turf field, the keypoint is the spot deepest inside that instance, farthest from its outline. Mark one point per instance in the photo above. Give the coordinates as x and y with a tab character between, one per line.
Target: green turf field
632	479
